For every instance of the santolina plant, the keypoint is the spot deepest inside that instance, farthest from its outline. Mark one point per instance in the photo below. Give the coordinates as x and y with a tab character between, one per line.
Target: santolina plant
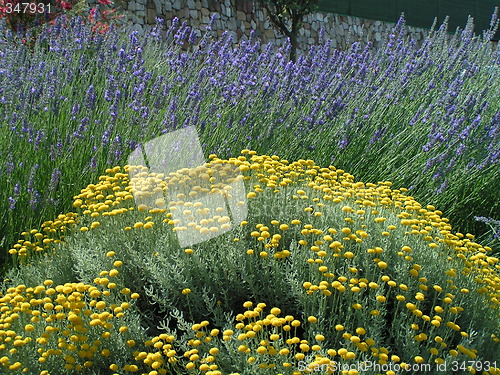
424	117
325	272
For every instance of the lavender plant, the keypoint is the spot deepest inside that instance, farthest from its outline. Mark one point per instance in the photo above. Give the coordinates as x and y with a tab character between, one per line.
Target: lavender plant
423	117
493	237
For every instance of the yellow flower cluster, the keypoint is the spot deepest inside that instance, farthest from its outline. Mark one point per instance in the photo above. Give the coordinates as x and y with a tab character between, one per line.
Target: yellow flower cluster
363	243
114	193
267	341
41	241
162	353
363	219
67	325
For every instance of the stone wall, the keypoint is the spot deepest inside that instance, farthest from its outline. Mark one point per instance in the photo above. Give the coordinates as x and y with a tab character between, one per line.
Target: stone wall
239	17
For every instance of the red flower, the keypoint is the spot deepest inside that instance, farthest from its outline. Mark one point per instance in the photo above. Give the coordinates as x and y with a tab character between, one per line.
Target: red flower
92	15
66	5
105	2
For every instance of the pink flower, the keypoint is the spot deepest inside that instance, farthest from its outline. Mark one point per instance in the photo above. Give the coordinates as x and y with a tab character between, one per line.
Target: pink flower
105	2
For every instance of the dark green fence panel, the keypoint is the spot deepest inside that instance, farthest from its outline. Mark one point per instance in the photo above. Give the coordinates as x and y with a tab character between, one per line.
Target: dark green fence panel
334	6
419	13
383	10
484	7
458	12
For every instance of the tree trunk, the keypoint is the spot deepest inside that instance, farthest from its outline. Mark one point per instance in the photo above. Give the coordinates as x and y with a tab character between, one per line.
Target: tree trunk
293	40
293	49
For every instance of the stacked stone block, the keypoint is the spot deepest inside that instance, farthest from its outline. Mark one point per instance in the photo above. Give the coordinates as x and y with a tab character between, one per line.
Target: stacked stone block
239	17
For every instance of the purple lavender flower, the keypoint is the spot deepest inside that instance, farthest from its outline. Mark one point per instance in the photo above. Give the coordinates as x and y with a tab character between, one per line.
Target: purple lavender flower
17	189
156	33
54	179
192	37
90	99
9	164
492	223
442	187
93	164
105	137
460	149
75	109
31	180
35	200
342	144
12	203
377	135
